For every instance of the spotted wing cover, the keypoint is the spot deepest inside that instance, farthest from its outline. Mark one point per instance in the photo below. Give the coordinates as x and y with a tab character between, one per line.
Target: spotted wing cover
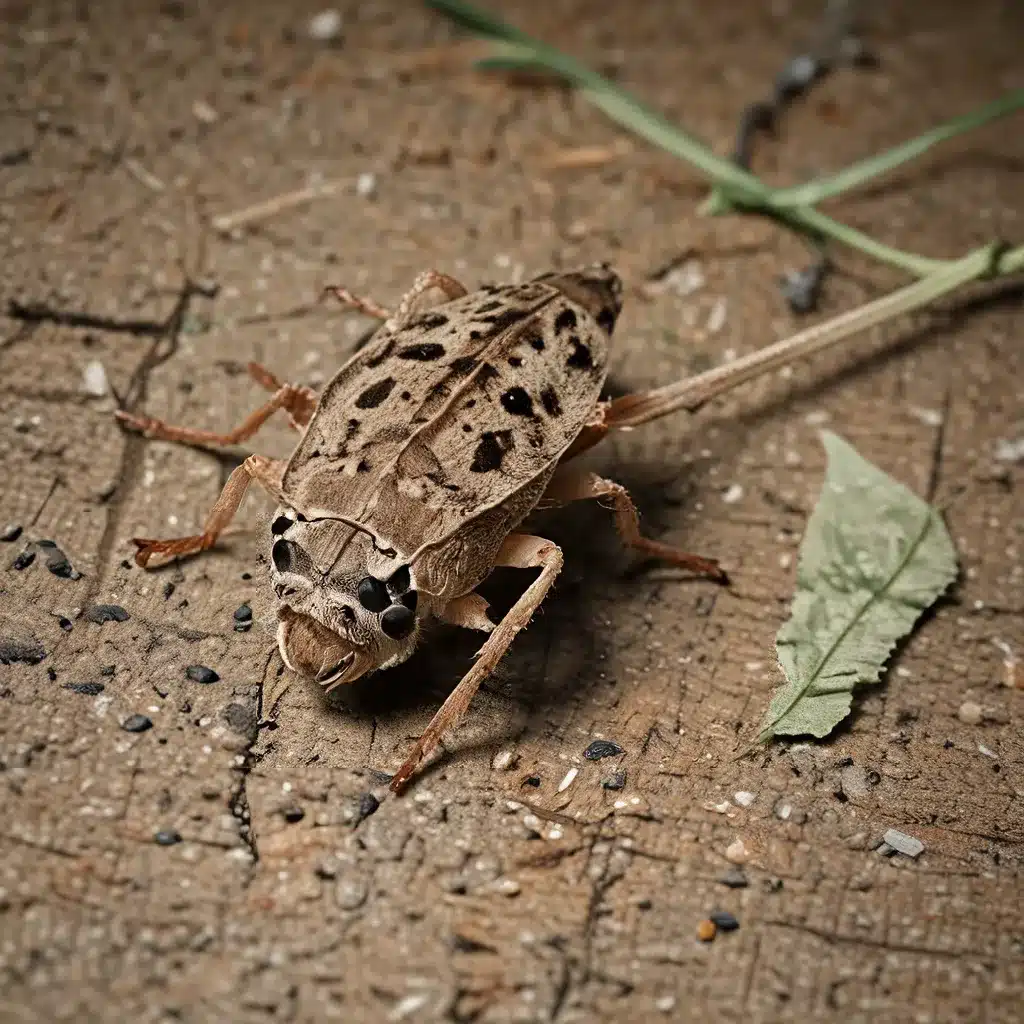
430	426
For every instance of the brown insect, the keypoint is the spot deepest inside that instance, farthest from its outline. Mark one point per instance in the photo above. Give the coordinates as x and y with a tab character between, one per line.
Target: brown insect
418	462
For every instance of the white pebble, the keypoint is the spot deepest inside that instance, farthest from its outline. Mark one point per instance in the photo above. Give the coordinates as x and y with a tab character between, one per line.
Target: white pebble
202	111
665	1003
716	318
1010	451
744	798
970	713
94	379
909	846
721	808
503	760
929	417
570	777
987	751
507	887
737	852
784	812
817	417
408	1006
733	494
325	26
366	185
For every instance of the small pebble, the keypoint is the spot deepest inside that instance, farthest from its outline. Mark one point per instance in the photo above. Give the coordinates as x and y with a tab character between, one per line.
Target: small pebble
23	560
737	853
743	798
168	590
570	777
12	651
100	613
136	723
10	533
88	689
504	760
243	613
732	494
366	185
167	837
325	27
507	887
706	931
51	674
201	674
601	748
723	920
970	713
615	781
94	379
293	814
65	623
368	804
532	780
909	846
735	878
108	670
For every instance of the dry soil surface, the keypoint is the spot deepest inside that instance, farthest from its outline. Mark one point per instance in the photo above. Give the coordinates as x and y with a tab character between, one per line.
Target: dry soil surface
491	892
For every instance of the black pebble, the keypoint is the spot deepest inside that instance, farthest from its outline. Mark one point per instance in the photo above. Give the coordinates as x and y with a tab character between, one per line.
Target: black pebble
101	613
65	623
23	560
617	780
532	780
108	670
168	590
88	689
201	674
137	723
243	613
51	675
802	288
735	878
601	748
724	921
239	718
368	803
293	814
167	837
57	562
10	533
15	650
246	575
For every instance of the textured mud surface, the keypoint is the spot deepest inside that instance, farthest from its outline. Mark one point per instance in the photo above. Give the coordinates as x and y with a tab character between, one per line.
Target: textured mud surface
230	861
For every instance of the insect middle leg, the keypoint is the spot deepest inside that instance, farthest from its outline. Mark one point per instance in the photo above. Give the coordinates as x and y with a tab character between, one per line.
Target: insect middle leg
298	402
416	299
571	484
520	551
266	472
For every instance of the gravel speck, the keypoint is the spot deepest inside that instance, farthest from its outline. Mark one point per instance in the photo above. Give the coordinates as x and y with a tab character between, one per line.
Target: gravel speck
239	718
86	689
325	27
617	780
706	931
201	674
12	651
10	533
368	804
723	920
737	852
293	814
137	723
602	748
735	878
970	713
23	560
167	837
902	843
108	670
101	613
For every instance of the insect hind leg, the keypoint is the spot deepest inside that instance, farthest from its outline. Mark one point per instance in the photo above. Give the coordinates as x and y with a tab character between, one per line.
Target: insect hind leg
570	484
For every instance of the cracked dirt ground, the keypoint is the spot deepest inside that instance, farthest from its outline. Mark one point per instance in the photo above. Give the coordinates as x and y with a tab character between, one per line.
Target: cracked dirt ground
125	128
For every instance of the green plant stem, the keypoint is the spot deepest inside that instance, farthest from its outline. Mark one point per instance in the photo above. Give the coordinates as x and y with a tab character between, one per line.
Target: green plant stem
864	170
690	394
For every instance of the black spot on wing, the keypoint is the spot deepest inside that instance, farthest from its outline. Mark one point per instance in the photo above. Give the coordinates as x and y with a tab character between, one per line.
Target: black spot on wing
515	361
580	357
606	319
428	321
375	394
488	307
549	400
565	321
383	354
423	352
517	402
463	365
537	341
499	321
490	451
487	372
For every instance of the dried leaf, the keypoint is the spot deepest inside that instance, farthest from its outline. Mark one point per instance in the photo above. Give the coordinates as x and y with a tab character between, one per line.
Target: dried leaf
874	557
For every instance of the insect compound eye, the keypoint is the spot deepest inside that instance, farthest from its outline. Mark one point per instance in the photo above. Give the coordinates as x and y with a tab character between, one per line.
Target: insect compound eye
373	594
400	580
397	622
281	553
280	525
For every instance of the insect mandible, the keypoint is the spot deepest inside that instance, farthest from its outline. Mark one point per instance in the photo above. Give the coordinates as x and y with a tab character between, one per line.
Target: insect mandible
417	464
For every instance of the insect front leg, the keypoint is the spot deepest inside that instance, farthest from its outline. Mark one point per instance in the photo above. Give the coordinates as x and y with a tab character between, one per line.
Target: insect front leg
520	551
266	472
571	484
298	402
